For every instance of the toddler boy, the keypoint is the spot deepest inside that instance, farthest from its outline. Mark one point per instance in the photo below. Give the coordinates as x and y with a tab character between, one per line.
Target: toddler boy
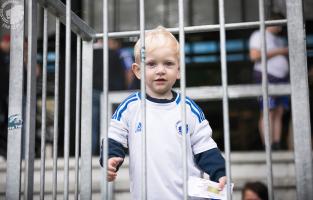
164	127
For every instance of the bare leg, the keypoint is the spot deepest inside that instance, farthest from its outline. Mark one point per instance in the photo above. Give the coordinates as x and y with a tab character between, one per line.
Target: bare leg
261	125
277	123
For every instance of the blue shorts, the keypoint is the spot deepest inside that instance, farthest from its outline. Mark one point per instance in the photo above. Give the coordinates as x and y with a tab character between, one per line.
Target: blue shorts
273	101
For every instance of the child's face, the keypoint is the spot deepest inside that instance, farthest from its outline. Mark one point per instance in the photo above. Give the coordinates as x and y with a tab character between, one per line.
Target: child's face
162	70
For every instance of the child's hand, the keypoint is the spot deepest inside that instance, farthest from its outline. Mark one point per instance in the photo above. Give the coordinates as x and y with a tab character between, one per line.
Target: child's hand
112	164
222	182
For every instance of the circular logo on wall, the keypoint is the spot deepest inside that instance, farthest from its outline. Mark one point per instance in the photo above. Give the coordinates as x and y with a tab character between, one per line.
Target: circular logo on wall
11	13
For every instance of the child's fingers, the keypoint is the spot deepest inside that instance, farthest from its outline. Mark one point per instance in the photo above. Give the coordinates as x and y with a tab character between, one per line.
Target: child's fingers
116	161
111	176
112	164
119	159
222	182
111	173
111	168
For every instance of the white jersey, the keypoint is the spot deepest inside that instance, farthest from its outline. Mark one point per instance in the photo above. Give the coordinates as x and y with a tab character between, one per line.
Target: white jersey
276	66
164	144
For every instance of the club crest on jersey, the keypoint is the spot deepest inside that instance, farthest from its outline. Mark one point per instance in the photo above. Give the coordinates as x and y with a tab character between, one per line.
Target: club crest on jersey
138	127
179	127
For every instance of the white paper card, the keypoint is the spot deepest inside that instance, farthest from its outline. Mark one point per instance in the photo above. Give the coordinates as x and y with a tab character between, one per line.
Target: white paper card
199	187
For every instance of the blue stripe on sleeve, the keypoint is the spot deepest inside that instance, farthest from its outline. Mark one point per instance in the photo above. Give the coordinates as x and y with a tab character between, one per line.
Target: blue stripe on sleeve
122	104
193	106
195	112
119	114
177	99
197	108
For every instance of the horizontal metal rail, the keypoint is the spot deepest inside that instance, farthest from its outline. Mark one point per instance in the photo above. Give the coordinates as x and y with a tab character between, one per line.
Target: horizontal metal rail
203	93
200	29
78	26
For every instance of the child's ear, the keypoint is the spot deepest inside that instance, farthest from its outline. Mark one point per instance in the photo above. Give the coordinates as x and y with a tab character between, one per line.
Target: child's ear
136	70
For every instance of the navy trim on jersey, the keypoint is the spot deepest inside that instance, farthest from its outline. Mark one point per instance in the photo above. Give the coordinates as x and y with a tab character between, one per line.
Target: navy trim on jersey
212	163
155	100
122	107
115	149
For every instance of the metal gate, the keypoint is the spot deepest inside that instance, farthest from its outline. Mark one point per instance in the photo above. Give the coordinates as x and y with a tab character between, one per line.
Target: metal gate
298	89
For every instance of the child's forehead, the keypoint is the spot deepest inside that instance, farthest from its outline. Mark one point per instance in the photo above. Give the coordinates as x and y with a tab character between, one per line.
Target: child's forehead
160	41
160	38
155	45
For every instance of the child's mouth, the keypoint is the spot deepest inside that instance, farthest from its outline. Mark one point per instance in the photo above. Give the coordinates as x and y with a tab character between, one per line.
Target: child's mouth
160	80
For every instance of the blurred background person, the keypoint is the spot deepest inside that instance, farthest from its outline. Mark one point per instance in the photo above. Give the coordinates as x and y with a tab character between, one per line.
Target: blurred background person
277	72
127	61
116	83
254	191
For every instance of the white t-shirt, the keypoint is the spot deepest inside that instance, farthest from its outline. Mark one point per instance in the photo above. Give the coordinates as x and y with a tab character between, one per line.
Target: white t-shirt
276	66
164	144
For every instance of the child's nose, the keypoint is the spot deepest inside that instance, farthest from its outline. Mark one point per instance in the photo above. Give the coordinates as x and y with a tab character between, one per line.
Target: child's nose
160	68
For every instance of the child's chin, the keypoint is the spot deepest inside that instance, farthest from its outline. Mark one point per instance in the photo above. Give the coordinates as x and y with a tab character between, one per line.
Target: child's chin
162	91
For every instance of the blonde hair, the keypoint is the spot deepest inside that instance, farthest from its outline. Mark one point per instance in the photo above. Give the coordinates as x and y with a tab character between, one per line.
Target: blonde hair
156	38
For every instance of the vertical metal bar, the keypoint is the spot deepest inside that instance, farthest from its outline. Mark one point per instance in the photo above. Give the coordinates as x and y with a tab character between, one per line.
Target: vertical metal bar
56	109
143	100
225	95
104	102
267	137
13	175
111	186
67	112
106	193
183	95
31	100
43	102
86	120
77	122
111	191
300	99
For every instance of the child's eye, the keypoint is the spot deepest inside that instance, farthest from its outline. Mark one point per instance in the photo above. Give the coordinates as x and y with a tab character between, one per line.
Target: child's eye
150	64
169	64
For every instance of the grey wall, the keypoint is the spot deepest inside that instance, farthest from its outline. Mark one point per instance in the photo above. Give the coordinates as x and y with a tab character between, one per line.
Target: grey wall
124	14
165	12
